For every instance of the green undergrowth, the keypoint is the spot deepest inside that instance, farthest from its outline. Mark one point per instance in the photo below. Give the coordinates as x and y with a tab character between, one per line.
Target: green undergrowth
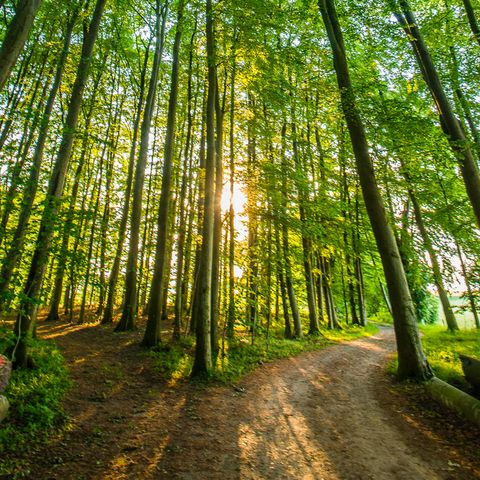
238	357
35	397
443	349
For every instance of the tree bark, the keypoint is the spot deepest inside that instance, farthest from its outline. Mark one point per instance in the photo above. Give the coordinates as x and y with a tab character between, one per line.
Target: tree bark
130	304
16	36
157	291
203	364
437	275
472	20
411	359
450	124
26	318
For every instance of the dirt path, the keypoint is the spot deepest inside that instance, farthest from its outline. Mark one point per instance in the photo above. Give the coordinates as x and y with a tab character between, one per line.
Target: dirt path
326	415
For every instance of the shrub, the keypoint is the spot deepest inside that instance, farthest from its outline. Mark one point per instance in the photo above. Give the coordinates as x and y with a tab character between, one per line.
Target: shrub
35	397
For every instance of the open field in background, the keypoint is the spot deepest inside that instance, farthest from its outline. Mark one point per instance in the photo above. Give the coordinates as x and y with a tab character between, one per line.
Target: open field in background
462	312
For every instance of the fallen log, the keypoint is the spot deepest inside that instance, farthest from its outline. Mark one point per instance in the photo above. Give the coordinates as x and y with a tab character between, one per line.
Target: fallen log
454	399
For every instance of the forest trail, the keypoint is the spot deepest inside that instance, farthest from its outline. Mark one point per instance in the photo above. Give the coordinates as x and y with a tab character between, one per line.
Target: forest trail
330	414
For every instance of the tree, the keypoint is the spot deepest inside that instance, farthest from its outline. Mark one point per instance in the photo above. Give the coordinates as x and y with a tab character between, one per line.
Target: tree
202	311
26	318
157	291
16	36
127	321
411	359
449	123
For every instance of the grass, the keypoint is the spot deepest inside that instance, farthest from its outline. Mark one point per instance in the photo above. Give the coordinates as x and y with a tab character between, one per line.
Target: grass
35	397
443	349
239	357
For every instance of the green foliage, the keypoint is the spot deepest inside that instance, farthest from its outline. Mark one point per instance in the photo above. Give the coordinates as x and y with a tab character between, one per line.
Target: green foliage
443	349
242	357
426	306
174	360
35	397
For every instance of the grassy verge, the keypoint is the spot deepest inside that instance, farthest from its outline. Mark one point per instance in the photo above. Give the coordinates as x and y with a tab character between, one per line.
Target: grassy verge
35	397
443	349
238	357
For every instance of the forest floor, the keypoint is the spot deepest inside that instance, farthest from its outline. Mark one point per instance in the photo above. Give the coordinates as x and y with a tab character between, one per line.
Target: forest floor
329	414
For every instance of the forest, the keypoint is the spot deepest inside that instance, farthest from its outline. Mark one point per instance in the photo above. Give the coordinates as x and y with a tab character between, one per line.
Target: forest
217	175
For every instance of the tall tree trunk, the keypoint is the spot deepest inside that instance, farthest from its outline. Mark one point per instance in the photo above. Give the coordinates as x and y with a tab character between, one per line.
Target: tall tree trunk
122	229
306	242
217	221
16	36
358	264
86	276
202	311
450	124
16	247
157	291
231	210
186	181
472	20
127	321
437	275
411	359
26	318
297	324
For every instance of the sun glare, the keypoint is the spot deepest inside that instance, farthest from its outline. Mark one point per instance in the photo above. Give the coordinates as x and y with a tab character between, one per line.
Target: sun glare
239	200
239	206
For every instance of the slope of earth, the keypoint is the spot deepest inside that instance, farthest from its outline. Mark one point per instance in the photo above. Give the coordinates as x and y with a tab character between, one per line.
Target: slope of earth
330	414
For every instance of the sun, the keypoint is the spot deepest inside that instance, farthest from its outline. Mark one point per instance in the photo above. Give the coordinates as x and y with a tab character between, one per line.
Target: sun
239	200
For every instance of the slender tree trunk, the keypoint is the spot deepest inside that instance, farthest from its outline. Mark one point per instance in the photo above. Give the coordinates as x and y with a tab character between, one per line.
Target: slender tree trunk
107	207
113	279
26	319
470	295
18	240
283	288
472	20
411	359
231	210
203	350
297	324
152	331
437	275
252	249
86	276
450	124
319	286
186	181
358	264
127	321
16	36
217	221
306	242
